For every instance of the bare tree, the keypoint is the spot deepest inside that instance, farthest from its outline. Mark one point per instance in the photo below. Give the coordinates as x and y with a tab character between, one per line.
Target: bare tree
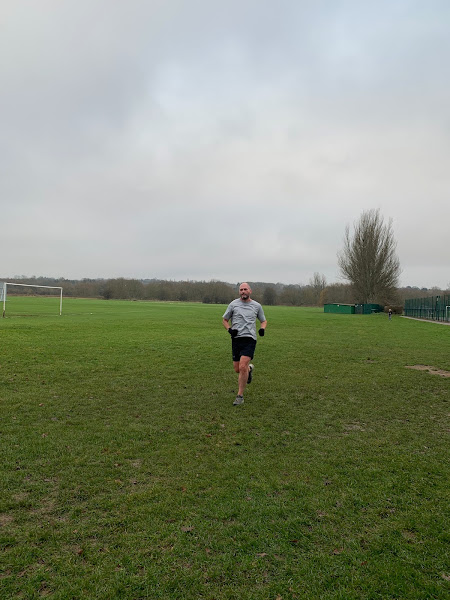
270	296
339	293
291	295
317	283
369	260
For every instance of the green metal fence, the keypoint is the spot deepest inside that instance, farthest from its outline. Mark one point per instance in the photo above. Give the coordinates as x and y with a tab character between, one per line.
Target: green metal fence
435	308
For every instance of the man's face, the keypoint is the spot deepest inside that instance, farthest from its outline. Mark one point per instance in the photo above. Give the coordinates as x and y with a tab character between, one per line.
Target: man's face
244	291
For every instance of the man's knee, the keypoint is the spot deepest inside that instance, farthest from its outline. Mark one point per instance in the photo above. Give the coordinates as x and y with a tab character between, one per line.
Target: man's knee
243	365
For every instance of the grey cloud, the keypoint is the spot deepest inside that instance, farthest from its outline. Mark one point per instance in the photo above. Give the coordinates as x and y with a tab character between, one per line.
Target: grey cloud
169	138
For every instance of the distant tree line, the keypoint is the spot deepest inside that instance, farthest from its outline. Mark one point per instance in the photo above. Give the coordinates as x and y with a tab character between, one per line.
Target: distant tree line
316	293
368	263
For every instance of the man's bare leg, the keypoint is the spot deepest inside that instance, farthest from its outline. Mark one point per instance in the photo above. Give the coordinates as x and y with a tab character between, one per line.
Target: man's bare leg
243	374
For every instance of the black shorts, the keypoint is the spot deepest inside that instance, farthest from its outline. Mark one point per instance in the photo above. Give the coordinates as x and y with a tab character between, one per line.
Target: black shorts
242	346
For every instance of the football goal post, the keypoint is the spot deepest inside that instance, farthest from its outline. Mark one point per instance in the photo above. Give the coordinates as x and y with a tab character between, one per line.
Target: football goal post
6	284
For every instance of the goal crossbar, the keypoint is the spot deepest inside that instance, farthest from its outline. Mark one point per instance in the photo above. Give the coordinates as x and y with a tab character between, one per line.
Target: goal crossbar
49	287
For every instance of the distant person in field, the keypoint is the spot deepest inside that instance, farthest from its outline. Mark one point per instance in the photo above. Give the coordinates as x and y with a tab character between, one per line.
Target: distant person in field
242	313
390	313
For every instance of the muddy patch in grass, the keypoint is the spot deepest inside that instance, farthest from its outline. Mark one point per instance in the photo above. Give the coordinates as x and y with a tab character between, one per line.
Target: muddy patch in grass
431	370
5	520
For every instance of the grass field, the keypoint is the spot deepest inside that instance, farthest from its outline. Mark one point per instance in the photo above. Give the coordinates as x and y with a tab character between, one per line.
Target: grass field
127	473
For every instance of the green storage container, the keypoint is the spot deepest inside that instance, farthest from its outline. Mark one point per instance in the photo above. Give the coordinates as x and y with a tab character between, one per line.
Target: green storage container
368	309
346	309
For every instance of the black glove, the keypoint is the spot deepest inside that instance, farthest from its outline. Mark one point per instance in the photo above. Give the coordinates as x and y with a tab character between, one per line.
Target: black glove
261	332
233	332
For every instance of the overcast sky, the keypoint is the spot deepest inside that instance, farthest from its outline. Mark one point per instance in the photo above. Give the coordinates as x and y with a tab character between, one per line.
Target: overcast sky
203	139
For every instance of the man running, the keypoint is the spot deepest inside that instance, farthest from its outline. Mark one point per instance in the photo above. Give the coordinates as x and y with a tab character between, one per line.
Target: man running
243	313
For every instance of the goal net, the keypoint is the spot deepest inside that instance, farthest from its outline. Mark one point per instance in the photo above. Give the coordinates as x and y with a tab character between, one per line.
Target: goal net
23	299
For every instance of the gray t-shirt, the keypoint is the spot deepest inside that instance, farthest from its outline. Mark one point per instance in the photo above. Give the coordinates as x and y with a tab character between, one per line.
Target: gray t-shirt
243	316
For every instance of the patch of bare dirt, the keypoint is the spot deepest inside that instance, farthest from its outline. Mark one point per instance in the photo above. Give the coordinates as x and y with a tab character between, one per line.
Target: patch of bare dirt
431	370
5	519
354	427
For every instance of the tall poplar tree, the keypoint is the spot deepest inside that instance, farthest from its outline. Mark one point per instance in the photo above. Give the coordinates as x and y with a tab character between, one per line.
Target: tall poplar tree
369	260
